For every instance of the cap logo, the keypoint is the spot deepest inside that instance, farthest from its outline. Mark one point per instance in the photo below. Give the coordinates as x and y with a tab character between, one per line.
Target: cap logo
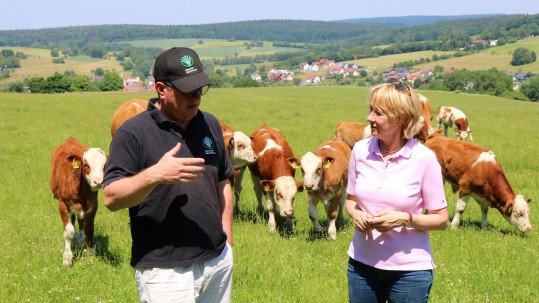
187	61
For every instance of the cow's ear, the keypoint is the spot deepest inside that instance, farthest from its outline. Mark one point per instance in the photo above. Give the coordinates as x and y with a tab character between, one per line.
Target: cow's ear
294	162
509	211
267	185
328	161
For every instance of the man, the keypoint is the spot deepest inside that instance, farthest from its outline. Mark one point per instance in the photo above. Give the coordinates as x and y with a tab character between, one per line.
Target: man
168	165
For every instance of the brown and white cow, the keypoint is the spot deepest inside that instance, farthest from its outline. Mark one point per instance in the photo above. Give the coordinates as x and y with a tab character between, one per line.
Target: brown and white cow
240	152
76	176
351	132
475	172
325	175
454	117
125	111
272	174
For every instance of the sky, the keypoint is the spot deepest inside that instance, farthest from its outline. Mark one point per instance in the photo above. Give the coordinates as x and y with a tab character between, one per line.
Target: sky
37	14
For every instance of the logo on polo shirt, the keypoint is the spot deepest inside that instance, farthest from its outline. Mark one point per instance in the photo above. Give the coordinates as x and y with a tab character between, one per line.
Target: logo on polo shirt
209	146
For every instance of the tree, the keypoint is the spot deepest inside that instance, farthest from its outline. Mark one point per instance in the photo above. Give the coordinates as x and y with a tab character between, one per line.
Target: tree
111	82
530	88
79	83
37	85
523	56
58	83
246	82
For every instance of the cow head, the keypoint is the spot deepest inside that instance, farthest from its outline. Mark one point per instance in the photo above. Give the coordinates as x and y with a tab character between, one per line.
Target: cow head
312	169
518	214
283	191
93	161
240	150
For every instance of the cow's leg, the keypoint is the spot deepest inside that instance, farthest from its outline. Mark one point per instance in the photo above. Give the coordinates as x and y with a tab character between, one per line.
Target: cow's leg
313	213
333	211
461	207
69	232
89	230
237	186
258	192
445	129
79	239
484	212
342	201
271	212
470	134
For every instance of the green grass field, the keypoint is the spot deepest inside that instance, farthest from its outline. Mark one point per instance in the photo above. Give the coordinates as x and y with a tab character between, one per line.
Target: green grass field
497	264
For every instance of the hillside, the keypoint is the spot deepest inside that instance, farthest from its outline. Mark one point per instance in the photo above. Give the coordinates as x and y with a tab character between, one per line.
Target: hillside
291	31
409	20
498	57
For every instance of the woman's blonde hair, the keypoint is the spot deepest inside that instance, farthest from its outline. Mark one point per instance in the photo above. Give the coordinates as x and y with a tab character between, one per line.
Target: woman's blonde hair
400	102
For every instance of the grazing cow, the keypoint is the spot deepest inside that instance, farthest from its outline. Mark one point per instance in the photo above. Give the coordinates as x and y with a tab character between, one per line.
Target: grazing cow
351	132
474	171
325	175
76	176
240	151
127	110
454	117
272	174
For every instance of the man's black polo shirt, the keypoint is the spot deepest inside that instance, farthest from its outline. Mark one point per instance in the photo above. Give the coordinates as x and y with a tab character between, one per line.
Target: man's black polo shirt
177	224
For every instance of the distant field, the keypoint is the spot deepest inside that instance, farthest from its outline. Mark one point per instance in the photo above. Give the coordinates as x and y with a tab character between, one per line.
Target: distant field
39	64
213	48
498	57
383	62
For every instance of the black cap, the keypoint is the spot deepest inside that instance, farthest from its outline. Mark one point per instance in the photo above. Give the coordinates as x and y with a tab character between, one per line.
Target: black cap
181	67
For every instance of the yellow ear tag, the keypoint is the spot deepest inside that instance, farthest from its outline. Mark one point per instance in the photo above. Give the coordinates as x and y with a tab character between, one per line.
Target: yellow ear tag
328	164
75	164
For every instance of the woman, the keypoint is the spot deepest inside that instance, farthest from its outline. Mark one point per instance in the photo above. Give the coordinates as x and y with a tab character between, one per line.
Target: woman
392	181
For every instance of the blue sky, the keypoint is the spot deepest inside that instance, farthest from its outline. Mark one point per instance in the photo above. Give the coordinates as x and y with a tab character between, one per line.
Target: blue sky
33	14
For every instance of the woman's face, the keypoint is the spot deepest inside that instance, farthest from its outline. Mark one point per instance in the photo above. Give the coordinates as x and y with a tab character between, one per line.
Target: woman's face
383	126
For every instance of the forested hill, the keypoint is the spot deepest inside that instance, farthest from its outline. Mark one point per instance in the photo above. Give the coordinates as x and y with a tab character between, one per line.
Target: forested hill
288	31
410	20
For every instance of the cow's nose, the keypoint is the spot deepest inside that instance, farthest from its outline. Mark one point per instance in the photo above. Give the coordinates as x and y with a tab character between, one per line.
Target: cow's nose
98	181
288	213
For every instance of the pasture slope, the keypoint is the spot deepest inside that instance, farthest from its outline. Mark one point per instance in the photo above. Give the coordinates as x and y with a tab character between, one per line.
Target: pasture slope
473	265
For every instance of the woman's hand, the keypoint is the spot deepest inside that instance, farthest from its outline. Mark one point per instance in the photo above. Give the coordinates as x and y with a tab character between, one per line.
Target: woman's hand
388	220
361	221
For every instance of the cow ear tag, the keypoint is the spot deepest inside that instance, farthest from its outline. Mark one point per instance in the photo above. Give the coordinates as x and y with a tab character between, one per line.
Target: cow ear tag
327	164
75	164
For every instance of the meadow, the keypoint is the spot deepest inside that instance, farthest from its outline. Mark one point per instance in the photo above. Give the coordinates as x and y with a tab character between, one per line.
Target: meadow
498	57
497	264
